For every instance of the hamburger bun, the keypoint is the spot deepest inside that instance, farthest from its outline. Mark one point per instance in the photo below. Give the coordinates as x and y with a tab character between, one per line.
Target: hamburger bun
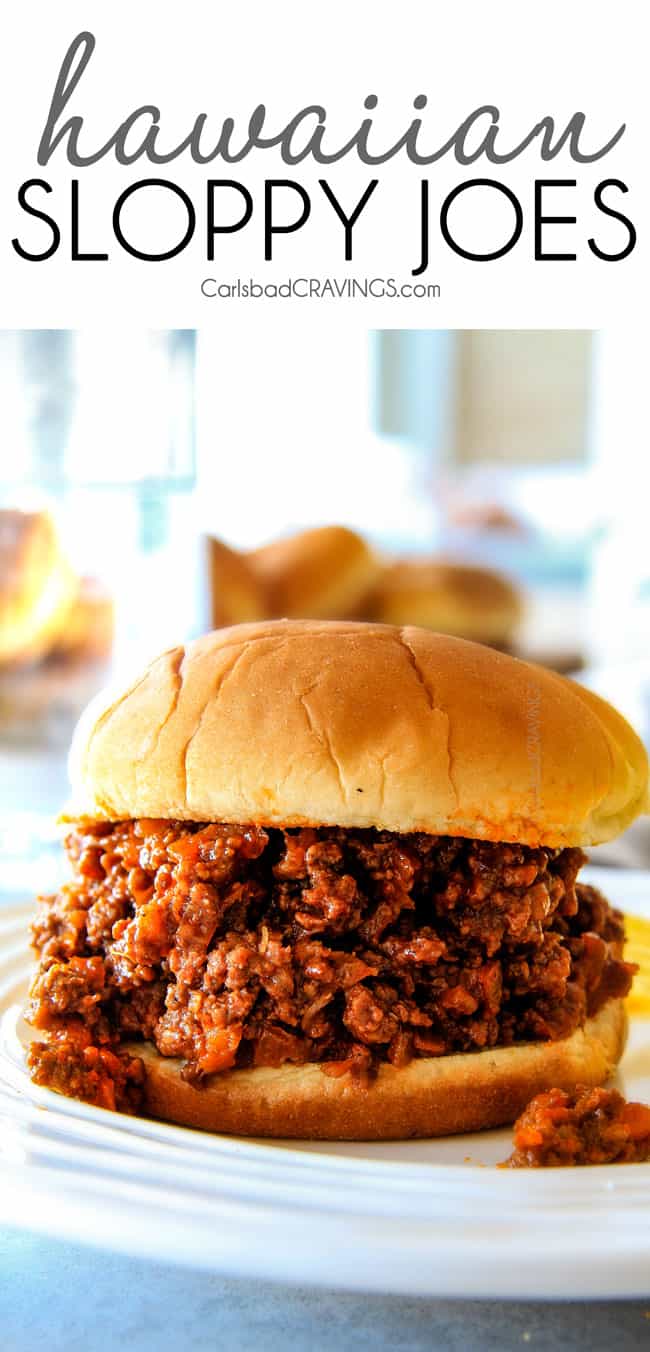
37	586
431	1096
296	723
90	623
452	598
324	573
236	594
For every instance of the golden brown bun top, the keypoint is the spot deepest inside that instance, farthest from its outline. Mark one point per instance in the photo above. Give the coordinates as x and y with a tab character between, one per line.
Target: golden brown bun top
89	624
37	586
454	598
236	595
323	573
303	722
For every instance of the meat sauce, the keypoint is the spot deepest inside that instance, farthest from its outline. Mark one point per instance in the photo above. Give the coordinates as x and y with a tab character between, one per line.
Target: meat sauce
237	946
588	1126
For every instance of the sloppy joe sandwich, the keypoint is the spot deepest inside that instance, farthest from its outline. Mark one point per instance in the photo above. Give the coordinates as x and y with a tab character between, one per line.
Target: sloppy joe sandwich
325	884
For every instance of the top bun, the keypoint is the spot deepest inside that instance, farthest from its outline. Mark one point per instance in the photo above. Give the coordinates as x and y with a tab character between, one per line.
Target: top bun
452	598
295	723
37	586
236	595
327	572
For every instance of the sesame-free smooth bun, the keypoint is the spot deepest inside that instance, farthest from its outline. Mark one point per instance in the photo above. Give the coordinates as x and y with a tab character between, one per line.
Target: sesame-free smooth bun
432	1096
236	595
327	572
450	597
37	586
295	723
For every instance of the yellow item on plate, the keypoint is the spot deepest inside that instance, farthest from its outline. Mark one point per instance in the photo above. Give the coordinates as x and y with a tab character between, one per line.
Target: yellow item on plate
637	949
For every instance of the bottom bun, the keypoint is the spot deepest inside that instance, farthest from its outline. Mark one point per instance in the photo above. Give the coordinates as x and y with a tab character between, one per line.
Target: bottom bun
432	1096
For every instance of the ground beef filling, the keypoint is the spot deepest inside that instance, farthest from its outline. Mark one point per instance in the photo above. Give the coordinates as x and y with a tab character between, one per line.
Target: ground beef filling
589	1126
233	946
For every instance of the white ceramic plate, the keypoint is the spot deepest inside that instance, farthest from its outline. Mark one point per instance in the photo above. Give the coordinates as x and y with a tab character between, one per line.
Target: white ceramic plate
429	1217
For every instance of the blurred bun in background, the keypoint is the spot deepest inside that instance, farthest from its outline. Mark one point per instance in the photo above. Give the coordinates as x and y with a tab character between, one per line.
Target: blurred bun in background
332	573
236	595
56	632
46	610
451	598
38	588
324	573
90	622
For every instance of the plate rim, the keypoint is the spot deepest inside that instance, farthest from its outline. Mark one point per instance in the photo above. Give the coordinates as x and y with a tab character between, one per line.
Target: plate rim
511	1265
